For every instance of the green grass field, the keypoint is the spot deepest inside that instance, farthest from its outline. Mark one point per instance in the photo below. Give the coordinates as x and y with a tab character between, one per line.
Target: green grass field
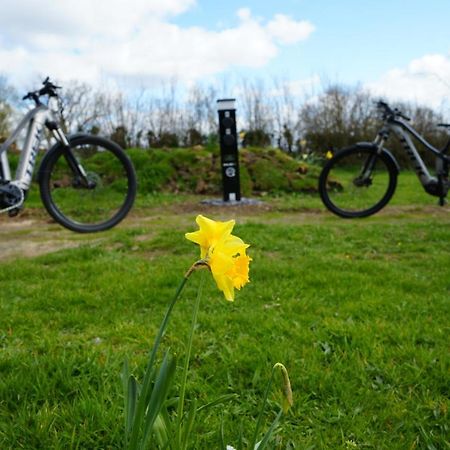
358	311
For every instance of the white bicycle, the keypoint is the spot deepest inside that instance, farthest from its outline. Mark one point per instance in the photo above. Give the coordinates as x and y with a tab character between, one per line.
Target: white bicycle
87	183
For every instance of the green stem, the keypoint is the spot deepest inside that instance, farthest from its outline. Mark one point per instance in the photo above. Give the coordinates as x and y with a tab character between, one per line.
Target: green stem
263	407
187	359
165	322
140	408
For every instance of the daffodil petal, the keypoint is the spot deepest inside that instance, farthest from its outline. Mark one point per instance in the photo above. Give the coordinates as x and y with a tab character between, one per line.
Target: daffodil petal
199	238
209	233
231	245
196	237
213	226
225	284
220	262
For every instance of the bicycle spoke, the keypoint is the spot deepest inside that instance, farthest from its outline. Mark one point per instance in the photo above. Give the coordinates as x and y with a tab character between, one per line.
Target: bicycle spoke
90	186
357	183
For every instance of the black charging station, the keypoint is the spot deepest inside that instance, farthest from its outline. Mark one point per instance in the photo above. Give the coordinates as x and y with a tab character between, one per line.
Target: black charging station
229	158
229	150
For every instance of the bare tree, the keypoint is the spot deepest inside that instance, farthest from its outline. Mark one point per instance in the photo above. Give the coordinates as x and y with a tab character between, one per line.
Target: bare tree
7	98
282	109
255	105
84	108
340	116
272	114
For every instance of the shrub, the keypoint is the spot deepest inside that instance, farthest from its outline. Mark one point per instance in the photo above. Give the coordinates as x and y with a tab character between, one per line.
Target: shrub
257	137
197	170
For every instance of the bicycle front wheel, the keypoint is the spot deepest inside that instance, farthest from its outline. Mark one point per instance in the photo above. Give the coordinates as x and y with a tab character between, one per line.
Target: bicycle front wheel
97	195
357	182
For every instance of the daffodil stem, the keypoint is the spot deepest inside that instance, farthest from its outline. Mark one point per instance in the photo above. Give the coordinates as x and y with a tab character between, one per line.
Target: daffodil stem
263	407
200	264
187	359
165	321
140	409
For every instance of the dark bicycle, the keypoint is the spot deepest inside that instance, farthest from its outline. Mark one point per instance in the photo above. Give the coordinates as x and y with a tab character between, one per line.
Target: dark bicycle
360	180
87	183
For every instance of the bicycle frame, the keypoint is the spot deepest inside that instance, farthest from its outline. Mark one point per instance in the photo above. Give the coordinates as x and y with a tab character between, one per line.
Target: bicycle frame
403	131
62	175
34	120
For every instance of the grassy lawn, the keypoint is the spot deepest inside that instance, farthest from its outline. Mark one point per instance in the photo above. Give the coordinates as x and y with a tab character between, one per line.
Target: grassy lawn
358	311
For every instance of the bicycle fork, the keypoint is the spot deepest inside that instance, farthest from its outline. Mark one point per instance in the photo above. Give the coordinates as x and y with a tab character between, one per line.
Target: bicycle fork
442	179
365	177
76	167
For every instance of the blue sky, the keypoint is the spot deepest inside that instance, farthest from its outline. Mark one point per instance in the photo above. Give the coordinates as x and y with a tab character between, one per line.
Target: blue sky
354	40
396	48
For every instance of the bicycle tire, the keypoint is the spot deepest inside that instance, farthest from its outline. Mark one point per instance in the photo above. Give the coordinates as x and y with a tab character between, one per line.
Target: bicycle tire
88	209
344	196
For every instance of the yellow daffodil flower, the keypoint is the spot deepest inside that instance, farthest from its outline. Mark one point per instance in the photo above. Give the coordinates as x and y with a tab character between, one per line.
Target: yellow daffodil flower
223	253
210	233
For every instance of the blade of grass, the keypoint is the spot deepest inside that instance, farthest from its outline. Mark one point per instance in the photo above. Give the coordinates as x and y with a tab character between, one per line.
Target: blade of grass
187	429
161	430
218	401
131	403
221	436
125	376
130	391
265	440
161	388
261	412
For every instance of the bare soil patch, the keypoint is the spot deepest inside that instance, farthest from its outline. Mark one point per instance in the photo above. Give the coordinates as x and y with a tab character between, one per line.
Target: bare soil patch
32	233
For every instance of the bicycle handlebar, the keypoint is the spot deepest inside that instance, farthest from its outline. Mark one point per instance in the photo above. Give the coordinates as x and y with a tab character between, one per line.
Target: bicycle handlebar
389	113
48	89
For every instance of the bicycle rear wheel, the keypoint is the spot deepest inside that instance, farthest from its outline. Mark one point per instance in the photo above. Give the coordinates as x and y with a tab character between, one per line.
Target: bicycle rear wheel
357	182
94	202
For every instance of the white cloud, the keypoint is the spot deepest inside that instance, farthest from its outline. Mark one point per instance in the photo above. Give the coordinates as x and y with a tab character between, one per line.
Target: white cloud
425	80
96	40
244	13
287	30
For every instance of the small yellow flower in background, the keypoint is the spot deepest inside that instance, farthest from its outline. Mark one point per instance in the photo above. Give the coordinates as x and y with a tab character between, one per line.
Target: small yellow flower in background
329	154
224	254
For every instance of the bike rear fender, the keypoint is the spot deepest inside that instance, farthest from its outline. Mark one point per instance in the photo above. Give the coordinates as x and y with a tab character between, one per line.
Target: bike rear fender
384	150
